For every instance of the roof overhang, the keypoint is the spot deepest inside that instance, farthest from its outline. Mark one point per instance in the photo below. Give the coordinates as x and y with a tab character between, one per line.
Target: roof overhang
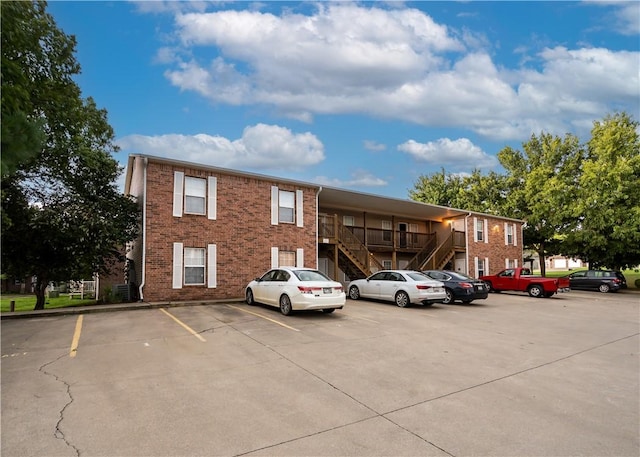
333	198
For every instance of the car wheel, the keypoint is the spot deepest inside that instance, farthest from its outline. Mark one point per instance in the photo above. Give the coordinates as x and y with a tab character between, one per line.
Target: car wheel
354	293
536	291
490	287
285	305
449	297
328	310
249	297
604	288
402	299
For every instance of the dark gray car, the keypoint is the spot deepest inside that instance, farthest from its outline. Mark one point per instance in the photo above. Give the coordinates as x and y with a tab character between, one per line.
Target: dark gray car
601	280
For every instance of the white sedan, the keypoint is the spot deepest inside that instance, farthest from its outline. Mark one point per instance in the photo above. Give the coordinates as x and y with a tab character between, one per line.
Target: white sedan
293	289
402	287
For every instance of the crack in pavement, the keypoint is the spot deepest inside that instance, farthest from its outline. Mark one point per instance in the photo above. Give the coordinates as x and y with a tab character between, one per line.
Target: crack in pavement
59	434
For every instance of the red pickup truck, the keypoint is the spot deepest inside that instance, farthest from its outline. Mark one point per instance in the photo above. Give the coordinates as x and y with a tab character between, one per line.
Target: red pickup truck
520	279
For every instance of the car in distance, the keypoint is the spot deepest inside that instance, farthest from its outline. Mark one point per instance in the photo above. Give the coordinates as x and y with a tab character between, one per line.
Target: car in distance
403	287
293	289
601	280
459	286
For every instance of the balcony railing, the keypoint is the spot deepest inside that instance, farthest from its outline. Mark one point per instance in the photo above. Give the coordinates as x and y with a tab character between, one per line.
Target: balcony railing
380	238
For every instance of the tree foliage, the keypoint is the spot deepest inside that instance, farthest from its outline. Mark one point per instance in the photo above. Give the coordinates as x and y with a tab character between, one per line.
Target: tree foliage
606	211
537	181
580	200
485	193
63	216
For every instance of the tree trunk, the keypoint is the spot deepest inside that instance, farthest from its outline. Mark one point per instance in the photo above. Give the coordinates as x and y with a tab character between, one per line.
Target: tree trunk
541	257
41	288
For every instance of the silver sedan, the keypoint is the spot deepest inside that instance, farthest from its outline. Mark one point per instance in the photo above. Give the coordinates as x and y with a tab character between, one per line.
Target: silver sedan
403	287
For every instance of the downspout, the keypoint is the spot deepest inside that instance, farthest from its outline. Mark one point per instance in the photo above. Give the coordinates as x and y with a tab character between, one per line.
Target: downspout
466	241
144	231
317	223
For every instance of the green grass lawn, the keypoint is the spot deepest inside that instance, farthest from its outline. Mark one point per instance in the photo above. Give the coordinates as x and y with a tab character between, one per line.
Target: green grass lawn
28	302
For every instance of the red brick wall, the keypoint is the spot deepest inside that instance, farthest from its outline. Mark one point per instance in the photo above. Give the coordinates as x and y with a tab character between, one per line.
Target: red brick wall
495	250
242	232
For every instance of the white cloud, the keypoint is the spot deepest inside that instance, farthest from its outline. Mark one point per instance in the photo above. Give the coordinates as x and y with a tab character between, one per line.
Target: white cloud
396	64
170	6
359	178
461	153
370	145
261	147
626	15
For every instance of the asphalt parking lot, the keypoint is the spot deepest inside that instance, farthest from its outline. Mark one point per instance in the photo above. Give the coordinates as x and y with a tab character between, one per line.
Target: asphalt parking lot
506	376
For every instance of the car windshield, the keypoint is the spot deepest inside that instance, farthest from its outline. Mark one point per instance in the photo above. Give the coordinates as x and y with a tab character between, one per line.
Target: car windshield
310	275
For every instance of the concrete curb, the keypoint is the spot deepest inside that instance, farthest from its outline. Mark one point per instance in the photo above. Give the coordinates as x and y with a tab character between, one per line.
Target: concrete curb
72	310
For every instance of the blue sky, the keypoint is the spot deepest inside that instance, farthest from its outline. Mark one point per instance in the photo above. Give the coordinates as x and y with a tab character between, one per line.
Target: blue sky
365	96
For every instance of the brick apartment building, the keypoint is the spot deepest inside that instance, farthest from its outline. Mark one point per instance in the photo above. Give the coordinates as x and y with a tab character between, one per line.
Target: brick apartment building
207	231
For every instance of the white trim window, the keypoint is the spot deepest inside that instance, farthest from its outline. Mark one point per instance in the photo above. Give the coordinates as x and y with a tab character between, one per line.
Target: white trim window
194	261
193	195
195	191
510	237
386	264
387	233
480	230
285	258
194	266
287	207
480	267
348	221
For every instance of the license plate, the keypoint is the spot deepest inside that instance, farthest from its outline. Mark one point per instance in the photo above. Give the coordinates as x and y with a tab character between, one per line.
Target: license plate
480	287
327	290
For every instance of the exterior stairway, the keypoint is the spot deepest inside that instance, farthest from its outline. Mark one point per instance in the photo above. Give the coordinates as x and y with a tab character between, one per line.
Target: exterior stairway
435	257
354	258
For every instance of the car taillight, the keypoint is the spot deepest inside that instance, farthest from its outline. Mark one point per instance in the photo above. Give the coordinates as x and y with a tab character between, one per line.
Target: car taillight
309	290
617	280
466	285
420	287
338	289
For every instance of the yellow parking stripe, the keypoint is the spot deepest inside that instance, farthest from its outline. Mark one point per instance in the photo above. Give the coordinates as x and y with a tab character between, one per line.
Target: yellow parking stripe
185	326
76	337
264	317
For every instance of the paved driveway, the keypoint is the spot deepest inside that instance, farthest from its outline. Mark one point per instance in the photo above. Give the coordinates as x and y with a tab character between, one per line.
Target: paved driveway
508	376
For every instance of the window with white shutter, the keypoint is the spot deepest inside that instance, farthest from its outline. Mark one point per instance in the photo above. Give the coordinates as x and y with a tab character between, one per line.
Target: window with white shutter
287	207
194	195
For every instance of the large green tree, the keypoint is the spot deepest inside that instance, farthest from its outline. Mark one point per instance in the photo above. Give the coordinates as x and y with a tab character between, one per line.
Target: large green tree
606	203
63	216
541	183
483	193
580	200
